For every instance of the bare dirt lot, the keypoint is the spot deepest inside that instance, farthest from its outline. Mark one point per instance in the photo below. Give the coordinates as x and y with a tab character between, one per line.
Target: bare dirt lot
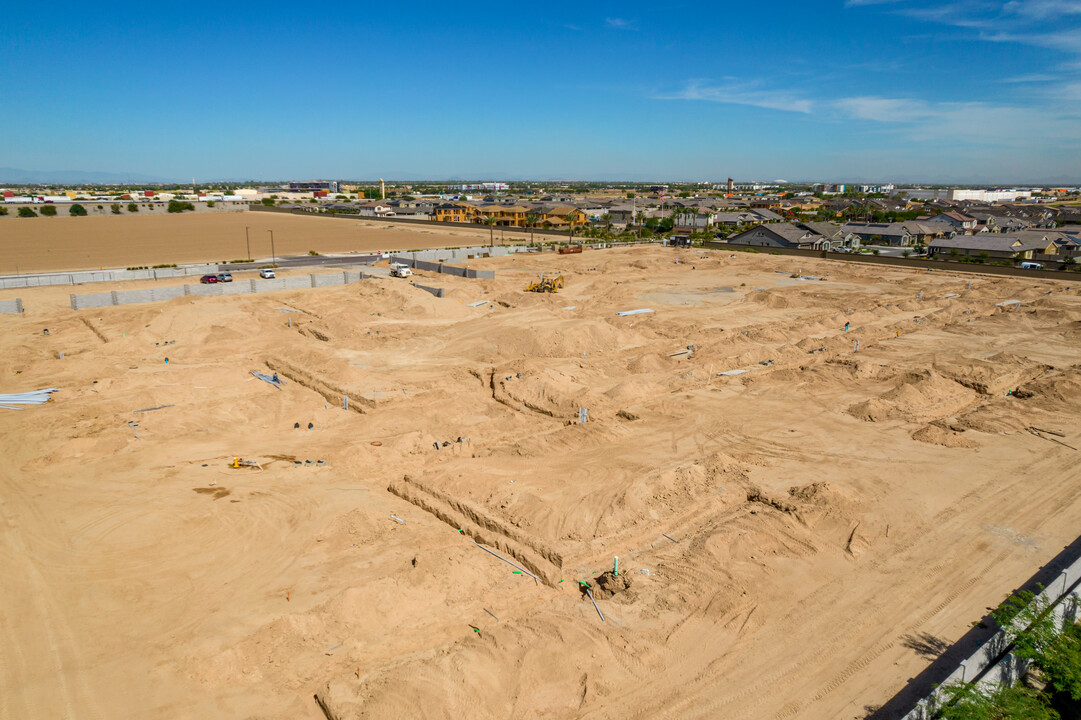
81	243
791	539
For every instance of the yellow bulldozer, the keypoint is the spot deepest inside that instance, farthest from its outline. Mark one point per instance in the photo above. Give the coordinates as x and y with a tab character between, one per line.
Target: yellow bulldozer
546	284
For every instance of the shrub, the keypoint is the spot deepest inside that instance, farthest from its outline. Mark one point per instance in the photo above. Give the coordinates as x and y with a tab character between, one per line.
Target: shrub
77	210
132	207
101	207
116	209
314	253
3	211
27	212
49	211
176	206
210	203
269	202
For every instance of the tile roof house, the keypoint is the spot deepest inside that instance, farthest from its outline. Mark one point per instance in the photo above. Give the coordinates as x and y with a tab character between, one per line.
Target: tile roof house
963	223
995	246
784	235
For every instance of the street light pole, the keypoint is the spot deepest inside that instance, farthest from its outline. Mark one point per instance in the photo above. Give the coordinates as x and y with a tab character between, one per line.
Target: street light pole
273	255
247	240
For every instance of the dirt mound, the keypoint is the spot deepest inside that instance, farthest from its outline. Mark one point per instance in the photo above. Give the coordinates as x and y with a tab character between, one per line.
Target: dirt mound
935	435
548	390
650	362
918	397
993	376
608	585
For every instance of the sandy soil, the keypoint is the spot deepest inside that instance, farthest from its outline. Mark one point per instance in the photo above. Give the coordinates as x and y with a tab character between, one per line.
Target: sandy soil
81	243
791	539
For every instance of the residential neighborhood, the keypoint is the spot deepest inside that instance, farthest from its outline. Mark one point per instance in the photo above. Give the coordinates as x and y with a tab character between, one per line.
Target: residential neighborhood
1037	224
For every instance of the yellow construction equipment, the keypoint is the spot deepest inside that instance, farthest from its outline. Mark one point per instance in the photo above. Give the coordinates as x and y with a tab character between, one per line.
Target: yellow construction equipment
546	284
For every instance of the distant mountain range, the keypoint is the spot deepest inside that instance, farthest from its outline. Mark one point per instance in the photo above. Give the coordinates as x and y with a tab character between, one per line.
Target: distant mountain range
16	176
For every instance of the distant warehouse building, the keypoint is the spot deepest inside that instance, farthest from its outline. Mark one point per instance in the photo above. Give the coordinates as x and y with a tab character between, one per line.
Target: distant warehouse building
314	185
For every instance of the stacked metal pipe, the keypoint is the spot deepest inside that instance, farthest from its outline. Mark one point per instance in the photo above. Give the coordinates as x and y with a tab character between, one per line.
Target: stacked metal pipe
12	401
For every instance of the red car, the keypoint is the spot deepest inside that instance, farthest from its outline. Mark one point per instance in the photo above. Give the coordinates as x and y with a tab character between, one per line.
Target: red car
208	279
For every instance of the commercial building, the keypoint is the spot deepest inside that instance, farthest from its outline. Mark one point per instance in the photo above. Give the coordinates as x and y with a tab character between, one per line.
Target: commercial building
984	195
330	186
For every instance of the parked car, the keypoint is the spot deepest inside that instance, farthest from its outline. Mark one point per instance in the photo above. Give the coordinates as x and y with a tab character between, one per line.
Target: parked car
225	277
208	279
266	273
1031	266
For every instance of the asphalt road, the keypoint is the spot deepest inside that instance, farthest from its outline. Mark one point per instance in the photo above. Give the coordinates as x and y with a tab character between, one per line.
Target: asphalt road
306	261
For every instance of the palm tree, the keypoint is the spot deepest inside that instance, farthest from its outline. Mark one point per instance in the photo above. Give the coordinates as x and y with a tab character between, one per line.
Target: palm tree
607	218
531	221
490	221
570	224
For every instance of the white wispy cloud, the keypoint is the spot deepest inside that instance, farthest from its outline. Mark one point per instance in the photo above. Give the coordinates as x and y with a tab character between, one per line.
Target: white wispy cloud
916	119
619	23
741	93
1027	22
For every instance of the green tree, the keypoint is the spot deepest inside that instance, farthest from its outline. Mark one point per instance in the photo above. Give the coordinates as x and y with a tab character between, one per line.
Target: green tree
268	202
970	702
531	221
132	207
490	221
210	203
115	208
1036	636
77	210
3	211
607	220
49	211
177	206
27	212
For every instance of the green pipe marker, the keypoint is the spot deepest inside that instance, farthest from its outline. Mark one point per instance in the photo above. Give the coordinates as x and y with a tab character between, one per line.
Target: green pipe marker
615	570
516	572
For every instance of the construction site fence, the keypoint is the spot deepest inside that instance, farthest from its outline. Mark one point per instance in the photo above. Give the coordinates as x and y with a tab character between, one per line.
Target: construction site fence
922	264
93	276
244	287
11	306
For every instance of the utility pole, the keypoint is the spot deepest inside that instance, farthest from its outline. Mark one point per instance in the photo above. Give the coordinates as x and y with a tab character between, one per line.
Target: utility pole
247	240
273	255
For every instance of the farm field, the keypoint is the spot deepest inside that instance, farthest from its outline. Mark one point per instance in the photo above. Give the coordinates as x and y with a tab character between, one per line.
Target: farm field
797	521
88	243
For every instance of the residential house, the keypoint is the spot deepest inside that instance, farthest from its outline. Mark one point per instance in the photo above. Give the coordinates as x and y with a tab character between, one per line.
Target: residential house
374	209
880	233
963	223
455	211
732	219
993	246
767	215
782	235
690	221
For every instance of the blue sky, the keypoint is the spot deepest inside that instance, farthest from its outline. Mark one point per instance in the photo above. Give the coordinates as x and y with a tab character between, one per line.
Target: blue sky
907	90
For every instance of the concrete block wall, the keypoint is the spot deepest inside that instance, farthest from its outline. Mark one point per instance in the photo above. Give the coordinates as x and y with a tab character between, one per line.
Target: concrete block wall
145	295
11	306
93	276
442	268
438	292
91	300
